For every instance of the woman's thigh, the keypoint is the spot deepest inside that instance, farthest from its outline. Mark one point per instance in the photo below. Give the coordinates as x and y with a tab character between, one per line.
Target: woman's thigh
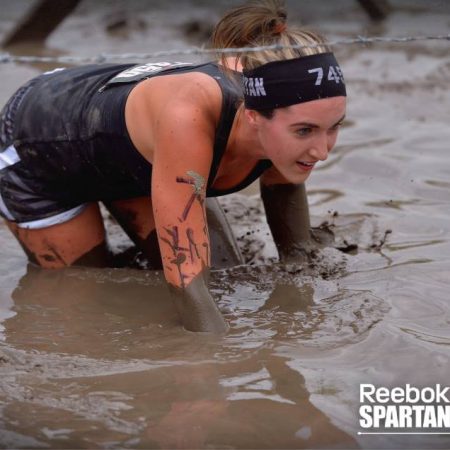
79	241
135	216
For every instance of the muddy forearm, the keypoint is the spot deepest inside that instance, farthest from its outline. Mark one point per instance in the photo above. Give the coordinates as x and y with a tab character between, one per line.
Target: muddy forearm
287	214
186	263
198	310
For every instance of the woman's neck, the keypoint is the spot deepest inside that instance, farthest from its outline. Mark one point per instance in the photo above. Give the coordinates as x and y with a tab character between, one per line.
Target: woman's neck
231	62
243	140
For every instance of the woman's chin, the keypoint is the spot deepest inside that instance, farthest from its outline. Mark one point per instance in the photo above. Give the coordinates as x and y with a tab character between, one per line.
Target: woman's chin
296	177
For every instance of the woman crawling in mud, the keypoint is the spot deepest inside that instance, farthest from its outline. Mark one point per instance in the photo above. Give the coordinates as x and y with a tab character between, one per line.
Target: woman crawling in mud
153	141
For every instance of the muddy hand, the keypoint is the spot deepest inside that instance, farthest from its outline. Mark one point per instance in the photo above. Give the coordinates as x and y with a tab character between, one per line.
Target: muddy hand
307	250
197	308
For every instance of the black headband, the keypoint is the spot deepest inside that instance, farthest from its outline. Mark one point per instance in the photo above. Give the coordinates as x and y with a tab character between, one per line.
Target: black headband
290	81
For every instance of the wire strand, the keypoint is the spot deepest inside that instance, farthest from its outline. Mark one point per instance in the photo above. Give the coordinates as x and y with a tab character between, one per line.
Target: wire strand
106	57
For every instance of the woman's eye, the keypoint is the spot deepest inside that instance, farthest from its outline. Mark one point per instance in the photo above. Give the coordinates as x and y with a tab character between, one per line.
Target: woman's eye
304	131
336	127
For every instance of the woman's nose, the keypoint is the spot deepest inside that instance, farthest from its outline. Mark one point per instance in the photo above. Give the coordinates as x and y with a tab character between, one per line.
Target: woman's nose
320	149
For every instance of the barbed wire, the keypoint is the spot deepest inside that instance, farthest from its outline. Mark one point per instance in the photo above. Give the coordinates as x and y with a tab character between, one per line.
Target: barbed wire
105	57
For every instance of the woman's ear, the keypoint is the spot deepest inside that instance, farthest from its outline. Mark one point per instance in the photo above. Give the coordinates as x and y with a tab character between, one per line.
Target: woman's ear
252	117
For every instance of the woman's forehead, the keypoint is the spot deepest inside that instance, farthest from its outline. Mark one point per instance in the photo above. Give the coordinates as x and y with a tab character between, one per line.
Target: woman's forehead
318	111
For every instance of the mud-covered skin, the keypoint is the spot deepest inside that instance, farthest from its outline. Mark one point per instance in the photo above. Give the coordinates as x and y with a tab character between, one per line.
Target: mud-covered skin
196	307
131	221
287	213
99	256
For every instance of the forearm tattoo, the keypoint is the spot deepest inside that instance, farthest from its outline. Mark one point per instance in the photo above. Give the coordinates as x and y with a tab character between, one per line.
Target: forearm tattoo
191	251
197	182
192	244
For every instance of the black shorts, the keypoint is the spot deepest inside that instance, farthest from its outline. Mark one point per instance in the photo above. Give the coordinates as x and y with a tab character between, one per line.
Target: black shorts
15	179
51	169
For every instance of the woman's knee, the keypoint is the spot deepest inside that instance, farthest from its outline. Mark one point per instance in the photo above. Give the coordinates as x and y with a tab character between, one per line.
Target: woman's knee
79	240
135	216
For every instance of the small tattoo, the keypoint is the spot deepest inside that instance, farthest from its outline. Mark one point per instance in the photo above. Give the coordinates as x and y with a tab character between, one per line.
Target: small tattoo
180	259
179	256
206	246
192	244
197	182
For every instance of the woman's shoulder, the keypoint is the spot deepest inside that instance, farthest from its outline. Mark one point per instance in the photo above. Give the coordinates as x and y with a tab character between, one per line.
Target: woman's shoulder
188	102
188	88
179	98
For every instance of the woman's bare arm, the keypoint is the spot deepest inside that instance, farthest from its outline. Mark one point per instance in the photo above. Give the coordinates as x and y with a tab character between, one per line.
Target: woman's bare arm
183	150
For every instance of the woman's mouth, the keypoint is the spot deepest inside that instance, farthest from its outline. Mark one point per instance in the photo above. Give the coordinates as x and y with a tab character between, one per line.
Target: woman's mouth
305	165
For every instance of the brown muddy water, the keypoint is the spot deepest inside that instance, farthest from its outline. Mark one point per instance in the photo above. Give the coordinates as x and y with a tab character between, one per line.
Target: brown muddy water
96	359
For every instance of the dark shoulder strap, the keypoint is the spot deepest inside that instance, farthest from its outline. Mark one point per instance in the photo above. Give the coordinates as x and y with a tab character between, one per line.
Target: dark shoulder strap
257	171
230	85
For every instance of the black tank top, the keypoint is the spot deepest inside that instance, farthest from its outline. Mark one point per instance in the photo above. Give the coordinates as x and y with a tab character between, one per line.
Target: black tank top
71	136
